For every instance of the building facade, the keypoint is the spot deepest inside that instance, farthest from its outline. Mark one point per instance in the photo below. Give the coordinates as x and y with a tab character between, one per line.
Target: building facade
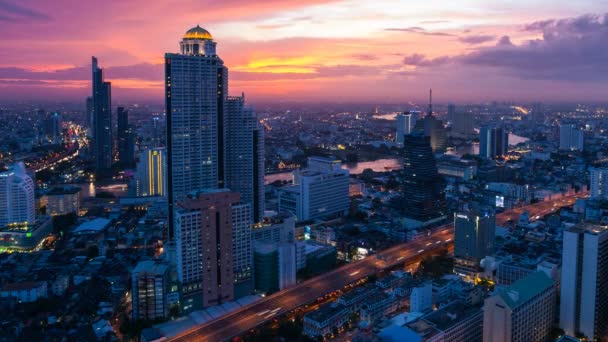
599	182
126	138
151	174
570	138
493	142
150	287
474	232
406	122
17	202
584	282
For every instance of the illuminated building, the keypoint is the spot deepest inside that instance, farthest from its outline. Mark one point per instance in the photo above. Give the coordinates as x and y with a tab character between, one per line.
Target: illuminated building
151	176
474	232
213	247
17	203
102	123
150	286
244	154
405	125
493	142
319	191
599	182
63	200
570	138
584	282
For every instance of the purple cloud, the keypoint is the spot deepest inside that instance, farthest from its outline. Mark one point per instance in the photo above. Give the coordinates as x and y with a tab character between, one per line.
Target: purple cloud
477	39
421	60
13	12
418	30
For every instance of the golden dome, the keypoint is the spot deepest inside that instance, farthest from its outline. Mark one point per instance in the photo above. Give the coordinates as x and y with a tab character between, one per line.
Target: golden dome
198	33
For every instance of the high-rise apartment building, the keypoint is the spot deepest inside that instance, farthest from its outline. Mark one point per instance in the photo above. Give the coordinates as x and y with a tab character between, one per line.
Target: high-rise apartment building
208	132
126	138
474	232
150	287
17	203
244	154
406	122
102	123
584	282
424	188
493	142
522	312
570	138
319	191
151	175
599	182
213	247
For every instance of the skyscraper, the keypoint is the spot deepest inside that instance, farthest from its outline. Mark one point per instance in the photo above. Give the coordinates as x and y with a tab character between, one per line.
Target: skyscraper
493	142
451	112
102	123
474	232
17	204
462	124
599	182
405	125
584	282
570	138
125	139
433	128
52	127
423	194
206	130
151	175
244	154
206	240
89	115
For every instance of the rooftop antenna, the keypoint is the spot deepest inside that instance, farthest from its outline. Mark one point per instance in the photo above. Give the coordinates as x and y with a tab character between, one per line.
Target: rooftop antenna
430	101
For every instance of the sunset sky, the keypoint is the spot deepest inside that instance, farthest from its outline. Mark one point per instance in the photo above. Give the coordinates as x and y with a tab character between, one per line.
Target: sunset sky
314	50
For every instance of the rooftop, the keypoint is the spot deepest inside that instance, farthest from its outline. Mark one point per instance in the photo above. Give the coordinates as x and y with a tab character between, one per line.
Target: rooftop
326	311
524	289
63	190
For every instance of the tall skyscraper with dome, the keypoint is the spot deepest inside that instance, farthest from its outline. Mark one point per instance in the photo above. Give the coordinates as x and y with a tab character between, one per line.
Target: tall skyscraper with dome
214	141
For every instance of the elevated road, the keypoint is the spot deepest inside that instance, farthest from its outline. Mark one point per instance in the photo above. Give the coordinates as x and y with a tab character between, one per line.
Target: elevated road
250	316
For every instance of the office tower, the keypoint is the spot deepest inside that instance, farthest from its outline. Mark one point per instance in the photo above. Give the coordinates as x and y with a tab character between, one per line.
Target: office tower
451	112
275	265
17	203
474	231
89	114
102	118
493	142
319	191
433	128
522	312
242	249
126	139
405	125
584	282
150	286
462	124
570	138
151	175
210	243
423	194
599	182
244	154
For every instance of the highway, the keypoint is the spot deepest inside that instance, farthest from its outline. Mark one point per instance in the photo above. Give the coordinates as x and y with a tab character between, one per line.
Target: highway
250	316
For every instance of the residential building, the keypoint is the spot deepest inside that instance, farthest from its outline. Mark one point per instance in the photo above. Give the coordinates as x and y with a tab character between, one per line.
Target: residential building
522	312
149	290
493	142
599	182
584	282
244	154
278	228
322	321
319	191
25	292
63	200
570	138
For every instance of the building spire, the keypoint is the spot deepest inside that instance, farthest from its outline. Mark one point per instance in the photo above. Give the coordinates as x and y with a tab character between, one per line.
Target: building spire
430	102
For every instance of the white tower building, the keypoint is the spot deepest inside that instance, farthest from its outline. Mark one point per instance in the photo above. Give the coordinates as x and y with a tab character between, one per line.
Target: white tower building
17	203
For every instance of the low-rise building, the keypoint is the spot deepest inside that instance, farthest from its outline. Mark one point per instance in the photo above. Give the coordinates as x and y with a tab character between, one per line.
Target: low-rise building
323	321
25	292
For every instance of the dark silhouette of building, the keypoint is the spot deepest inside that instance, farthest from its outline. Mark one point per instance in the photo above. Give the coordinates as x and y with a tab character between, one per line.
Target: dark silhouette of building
102	123
423	187
493	142
433	128
126	139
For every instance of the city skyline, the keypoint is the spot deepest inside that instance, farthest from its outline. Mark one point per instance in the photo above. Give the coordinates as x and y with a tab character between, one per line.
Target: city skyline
322	50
